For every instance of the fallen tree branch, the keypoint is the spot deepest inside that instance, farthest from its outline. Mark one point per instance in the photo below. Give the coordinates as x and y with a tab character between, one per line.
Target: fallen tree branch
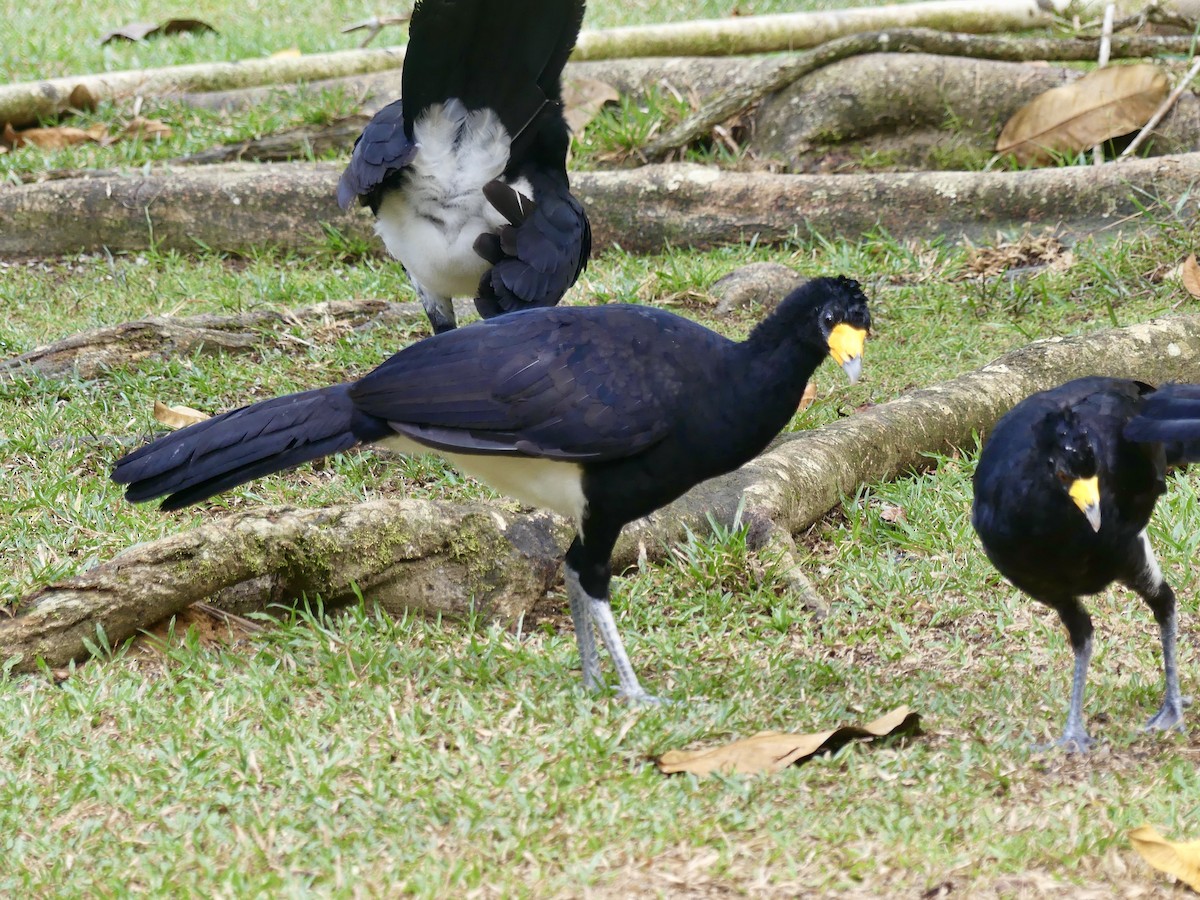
25	103
804	475
790	31
916	40
237	207
1162	110
402	554
91	353
304	142
915	110
444	557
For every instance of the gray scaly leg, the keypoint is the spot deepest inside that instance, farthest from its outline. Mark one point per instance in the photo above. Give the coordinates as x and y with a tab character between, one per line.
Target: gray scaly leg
631	689
440	310
585	636
1078	623
1075	737
1153	589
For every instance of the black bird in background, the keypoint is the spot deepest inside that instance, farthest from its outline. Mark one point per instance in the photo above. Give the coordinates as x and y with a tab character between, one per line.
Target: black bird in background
1064	490
467	173
602	414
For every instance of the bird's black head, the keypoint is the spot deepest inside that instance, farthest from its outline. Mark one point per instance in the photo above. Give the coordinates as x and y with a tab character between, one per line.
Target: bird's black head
1072	459
834	316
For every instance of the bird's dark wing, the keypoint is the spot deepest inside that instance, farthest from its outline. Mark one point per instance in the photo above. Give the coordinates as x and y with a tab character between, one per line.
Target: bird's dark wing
380	154
593	384
1171	415
537	257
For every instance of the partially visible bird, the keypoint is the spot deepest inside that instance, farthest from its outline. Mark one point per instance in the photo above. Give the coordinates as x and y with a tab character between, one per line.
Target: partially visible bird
602	414
1064	490
467	173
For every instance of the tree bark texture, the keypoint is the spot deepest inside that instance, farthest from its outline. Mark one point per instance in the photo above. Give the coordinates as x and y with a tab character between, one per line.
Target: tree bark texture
25	103
237	207
706	77
916	40
907	103
405	555
790	31
442	557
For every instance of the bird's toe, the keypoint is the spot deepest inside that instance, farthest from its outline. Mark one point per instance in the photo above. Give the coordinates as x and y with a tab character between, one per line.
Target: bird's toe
1168	718
641	697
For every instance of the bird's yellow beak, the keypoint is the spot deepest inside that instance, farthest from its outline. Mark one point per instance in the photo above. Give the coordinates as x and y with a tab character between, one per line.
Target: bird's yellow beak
846	347
1086	494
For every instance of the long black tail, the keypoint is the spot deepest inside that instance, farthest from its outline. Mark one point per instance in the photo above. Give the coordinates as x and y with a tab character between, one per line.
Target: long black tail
202	460
505	55
1171	415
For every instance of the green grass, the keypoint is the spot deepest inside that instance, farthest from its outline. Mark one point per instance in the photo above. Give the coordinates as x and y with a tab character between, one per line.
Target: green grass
353	754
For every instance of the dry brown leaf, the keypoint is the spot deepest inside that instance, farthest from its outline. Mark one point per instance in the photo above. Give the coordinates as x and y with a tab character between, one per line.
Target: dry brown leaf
147	128
53	138
773	751
139	31
177	416
1103	104
1191	275
808	397
1179	859
583	98
1027	251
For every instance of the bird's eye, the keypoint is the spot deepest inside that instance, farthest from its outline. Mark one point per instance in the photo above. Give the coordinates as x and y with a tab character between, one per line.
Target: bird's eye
829	319
1063	476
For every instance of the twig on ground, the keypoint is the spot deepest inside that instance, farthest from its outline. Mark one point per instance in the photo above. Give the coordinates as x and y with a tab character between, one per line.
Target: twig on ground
374	25
914	40
1106	33
1171	100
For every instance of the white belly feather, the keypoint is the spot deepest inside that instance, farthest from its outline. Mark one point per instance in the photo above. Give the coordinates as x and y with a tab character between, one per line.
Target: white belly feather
545	483
432	223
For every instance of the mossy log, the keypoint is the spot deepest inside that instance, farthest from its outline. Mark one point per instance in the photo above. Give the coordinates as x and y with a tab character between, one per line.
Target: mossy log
239	207
448	558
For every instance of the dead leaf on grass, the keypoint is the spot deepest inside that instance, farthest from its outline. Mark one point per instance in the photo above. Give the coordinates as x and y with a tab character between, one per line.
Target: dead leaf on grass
1190	276
54	138
1179	859
583	98
1103	104
1027	251
773	751
808	397
177	416
139	31
147	128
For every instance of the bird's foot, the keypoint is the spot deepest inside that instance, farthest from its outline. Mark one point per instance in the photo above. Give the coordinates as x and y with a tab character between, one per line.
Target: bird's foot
641	697
1168	718
1070	742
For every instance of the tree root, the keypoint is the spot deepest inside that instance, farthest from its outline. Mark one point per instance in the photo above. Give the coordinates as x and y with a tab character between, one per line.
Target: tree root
448	558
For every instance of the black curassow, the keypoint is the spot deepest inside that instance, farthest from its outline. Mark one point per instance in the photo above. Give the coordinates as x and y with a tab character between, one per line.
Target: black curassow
1064	490
602	414
467	173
